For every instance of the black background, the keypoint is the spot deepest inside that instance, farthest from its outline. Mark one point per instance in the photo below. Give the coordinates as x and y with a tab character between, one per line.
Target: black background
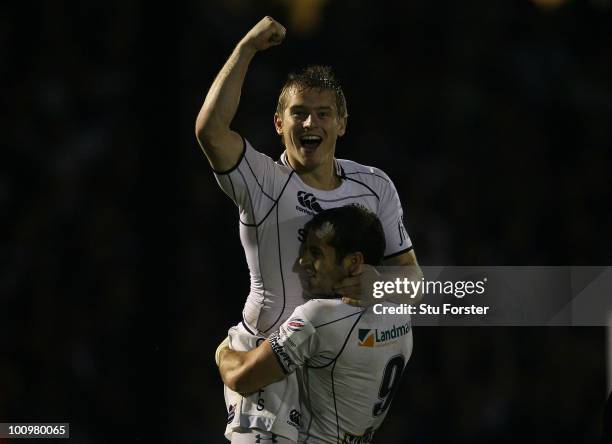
120	263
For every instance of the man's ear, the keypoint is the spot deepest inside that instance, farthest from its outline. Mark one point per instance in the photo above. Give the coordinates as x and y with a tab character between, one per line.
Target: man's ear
278	124
342	123
353	263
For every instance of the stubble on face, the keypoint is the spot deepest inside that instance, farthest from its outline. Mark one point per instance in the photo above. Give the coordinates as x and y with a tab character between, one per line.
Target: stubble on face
323	271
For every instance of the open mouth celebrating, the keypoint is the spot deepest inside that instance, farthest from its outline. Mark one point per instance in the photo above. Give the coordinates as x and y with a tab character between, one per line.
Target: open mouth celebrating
310	141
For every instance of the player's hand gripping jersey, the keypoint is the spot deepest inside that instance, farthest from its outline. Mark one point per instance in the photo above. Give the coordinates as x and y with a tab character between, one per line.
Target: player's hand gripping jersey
274	205
349	363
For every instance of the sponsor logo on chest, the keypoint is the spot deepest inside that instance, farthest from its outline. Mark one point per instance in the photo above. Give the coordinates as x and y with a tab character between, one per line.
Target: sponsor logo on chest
368	337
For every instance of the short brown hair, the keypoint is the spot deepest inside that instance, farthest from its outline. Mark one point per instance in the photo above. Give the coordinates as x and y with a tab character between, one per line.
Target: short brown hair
355	228
313	77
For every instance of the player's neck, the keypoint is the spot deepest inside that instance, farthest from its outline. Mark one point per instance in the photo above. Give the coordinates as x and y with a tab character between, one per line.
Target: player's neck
322	177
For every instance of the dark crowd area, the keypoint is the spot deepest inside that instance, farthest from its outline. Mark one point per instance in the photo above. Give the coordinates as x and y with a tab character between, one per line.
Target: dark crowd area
120	262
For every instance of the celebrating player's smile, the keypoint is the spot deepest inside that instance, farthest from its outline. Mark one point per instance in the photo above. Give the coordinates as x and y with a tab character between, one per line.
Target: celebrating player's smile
309	122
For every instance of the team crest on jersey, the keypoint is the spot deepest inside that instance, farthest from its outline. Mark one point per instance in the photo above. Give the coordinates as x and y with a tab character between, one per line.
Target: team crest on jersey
308	203
295	324
378	338
295	418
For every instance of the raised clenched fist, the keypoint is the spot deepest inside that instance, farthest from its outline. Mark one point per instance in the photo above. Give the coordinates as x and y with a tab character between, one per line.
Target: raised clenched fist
268	32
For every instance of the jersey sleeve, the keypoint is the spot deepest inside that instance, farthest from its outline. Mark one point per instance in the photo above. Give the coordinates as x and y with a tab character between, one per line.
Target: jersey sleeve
250	183
391	217
295	341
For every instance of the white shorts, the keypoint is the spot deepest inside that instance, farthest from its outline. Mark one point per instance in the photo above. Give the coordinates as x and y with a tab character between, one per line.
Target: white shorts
275	408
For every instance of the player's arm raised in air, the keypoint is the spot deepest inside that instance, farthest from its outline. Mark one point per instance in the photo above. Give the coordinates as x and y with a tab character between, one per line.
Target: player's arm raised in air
220	144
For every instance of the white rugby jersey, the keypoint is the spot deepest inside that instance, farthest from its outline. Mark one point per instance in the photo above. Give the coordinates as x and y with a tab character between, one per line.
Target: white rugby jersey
350	363
274	205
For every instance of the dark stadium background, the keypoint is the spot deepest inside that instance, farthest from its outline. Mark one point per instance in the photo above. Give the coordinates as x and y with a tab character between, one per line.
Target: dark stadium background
120	263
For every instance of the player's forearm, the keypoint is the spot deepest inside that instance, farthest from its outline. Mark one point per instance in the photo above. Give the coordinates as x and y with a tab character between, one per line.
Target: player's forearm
231	367
247	372
223	98
241	371
406	274
220	144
